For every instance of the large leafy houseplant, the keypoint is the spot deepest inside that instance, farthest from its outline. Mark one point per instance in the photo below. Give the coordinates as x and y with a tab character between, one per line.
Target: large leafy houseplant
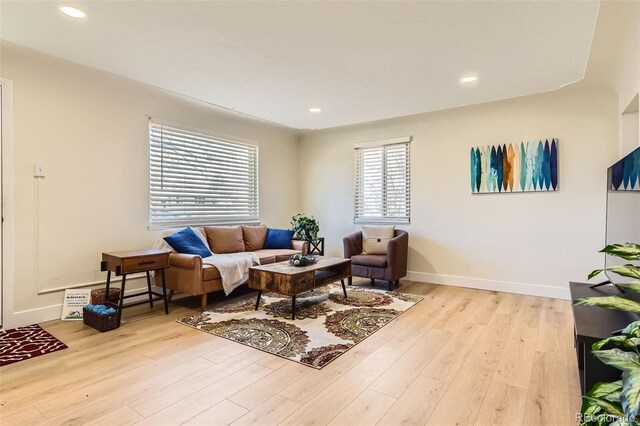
305	227
617	403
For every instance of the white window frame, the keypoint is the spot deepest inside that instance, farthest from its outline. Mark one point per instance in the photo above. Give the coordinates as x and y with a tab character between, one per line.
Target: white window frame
358	217
155	223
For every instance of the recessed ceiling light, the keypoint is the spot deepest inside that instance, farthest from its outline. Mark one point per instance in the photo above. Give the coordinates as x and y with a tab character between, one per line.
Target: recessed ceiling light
73	12
469	79
315	110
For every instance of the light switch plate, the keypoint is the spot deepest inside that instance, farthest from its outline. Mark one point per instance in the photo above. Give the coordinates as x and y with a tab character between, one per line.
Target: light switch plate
38	170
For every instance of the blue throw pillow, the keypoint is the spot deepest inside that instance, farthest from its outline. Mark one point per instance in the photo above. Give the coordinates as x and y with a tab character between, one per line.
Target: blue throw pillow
187	242
278	239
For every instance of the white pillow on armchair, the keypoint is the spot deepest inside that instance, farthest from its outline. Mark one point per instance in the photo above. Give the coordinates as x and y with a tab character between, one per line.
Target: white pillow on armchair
376	238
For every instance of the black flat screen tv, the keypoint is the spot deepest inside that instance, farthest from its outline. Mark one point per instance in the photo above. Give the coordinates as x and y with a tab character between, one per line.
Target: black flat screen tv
623	209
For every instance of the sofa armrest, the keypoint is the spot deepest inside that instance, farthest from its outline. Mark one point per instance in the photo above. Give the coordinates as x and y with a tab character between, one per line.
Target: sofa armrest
397	252
300	245
188	261
352	244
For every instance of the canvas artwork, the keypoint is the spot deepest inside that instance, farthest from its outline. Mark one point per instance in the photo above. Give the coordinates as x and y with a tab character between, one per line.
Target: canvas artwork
520	167
625	174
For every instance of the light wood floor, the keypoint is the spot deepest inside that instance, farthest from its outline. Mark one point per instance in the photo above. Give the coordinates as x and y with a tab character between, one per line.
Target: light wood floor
459	357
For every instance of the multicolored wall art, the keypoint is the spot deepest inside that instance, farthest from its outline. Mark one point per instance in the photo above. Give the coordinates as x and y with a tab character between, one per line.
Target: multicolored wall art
521	167
625	174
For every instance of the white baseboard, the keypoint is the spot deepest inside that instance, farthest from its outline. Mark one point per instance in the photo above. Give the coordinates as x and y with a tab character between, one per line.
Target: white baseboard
32	316
484	284
53	312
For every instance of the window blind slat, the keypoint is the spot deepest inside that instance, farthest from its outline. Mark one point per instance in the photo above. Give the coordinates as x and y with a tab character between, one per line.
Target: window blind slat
177	152
196	179
168	178
383	183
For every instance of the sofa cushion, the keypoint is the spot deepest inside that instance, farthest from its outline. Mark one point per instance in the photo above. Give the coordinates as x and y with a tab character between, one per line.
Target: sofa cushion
375	260
265	256
225	239
254	237
210	272
268	260
188	242
286	255
376	238
278	255
278	239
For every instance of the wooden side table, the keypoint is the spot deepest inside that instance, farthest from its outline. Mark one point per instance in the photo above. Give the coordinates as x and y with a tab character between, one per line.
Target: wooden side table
316	247
133	261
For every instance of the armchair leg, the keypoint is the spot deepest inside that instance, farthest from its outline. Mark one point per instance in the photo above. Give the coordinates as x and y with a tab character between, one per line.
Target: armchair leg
350	280
203	302
170	295
373	282
391	285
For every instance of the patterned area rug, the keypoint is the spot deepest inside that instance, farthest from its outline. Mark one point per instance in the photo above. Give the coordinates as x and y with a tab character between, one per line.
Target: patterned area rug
26	342
326	325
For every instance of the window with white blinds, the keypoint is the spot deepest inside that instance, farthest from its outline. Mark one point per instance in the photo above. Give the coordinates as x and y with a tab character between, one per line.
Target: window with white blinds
197	179
383	182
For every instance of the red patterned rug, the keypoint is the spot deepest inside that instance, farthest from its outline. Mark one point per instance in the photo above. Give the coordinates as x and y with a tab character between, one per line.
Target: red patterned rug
26	342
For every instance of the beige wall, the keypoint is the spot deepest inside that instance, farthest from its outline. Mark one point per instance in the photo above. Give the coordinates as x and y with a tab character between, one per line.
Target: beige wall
614	60
90	130
531	243
629	132
615	52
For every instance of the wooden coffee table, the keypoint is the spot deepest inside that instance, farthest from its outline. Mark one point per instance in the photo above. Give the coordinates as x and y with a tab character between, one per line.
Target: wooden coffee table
289	280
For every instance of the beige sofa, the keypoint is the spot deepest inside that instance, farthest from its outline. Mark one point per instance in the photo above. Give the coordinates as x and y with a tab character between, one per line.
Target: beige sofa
187	273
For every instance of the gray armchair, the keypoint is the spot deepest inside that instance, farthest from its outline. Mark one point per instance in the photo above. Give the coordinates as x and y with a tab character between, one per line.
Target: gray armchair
390	267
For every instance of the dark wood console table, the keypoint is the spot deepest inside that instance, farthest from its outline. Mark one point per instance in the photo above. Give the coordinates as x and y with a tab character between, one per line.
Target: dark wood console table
592	323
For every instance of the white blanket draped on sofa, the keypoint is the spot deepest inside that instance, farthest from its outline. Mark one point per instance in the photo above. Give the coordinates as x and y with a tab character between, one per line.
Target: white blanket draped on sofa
233	267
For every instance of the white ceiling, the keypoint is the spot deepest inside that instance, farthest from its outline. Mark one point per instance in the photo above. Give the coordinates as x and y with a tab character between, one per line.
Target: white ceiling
358	61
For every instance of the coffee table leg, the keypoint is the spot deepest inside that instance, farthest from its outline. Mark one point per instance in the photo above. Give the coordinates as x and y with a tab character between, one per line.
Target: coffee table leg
258	301
344	289
293	307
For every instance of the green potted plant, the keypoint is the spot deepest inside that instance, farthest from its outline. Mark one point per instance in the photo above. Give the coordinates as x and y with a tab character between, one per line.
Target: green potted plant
305	227
617	403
